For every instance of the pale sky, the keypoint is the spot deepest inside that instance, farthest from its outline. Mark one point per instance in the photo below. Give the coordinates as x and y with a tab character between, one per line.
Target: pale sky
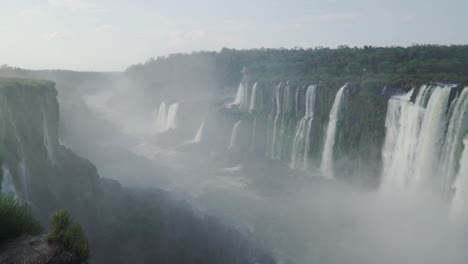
110	35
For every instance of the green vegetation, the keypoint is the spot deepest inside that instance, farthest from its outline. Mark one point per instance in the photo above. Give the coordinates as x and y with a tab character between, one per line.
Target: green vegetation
69	233
405	65
16	219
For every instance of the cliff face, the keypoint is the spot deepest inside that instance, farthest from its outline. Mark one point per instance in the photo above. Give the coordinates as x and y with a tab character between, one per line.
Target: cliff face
35	167
36	250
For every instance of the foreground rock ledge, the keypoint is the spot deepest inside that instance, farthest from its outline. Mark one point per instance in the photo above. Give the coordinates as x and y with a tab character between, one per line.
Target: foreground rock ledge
36	250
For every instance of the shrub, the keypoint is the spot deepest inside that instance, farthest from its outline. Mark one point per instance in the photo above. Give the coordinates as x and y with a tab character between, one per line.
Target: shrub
69	233
16	219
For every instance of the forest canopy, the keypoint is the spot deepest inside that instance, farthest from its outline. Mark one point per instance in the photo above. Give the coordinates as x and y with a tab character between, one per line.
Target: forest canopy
415	64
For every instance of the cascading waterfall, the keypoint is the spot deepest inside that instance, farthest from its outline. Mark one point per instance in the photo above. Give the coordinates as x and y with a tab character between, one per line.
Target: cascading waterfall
403	123
8	187
275	152
199	135
239	95
242	100
431	137
459	208
414	136
253	98
22	166
48	143
166	118
301	144
327	155
161	119
254	134
453	140
24	176
172	116
233	142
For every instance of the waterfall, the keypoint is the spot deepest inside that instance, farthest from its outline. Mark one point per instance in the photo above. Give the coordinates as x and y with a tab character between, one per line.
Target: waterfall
327	155
172	116
301	144
199	135
166	118
8	187
414	133
431	136
235	134
277	124
403	123
160	124
453	139
24	176
239	95
254	135
242	100
287	103
253	99
48	143
459	208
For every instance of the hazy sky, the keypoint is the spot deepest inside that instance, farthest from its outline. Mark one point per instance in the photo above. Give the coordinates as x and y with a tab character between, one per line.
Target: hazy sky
112	34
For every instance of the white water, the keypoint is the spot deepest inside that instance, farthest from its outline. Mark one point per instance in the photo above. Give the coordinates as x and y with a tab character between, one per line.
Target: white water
48	143
301	144
242	100
277	124
8	187
253	98
430	138
459	209
199	135
403	123
414	137
235	134
234	169
287	102
239	95
453	139
172	116
24	176
166	118
327	155
253	140
161	119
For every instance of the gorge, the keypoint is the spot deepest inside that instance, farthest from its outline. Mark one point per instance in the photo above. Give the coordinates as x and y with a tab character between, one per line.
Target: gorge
349	155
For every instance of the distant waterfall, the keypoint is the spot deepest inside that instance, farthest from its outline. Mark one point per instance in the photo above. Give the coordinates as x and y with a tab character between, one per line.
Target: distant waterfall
8	187
199	135
233	142
48	143
240	94
242	100
161	119
459	208
301	144
24	176
414	138
166	118
275	149
253	140
453	140
327	156
172	116
253	98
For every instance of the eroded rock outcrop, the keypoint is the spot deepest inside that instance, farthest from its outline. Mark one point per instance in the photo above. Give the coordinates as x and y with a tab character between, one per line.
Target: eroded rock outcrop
36	250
